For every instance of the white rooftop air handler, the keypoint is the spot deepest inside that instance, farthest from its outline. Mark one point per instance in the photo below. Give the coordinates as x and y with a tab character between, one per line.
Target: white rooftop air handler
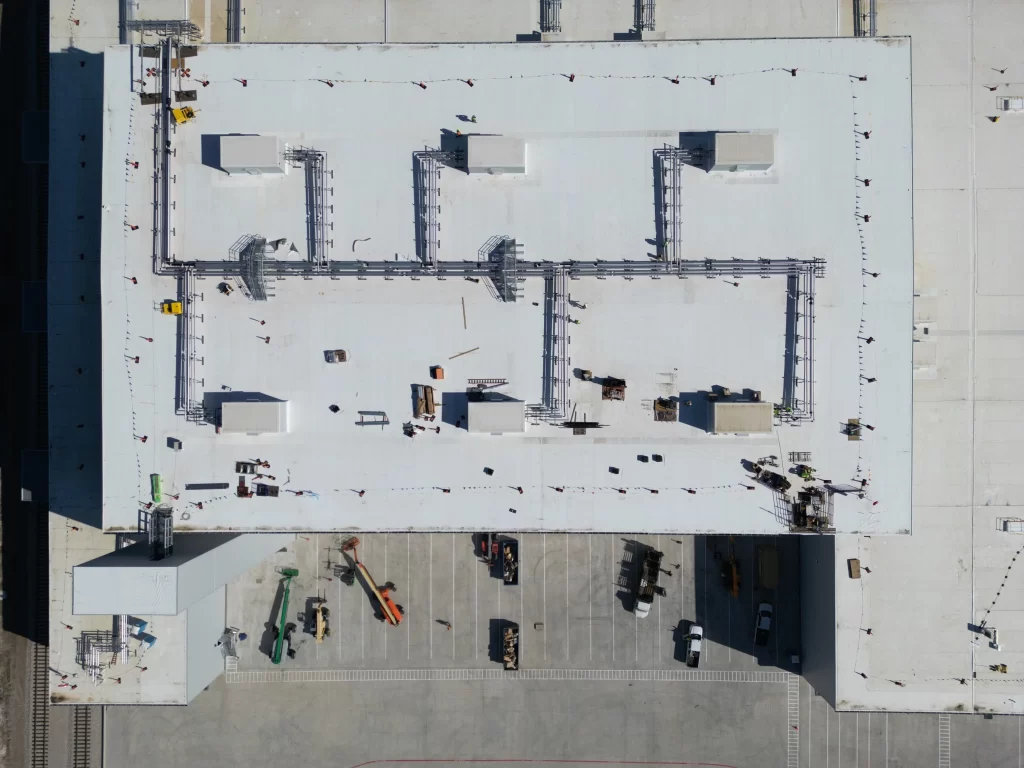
252	155
254	417
744	152
496	416
495	154
741	418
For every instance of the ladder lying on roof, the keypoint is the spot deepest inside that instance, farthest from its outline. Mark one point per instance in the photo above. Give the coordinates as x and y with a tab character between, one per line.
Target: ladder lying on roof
373	419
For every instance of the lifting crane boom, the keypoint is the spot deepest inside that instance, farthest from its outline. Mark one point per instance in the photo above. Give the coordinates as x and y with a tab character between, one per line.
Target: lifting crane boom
289	574
391	612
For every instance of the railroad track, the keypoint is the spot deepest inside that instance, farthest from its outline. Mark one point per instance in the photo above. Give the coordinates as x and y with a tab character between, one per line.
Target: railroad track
40	733
81	737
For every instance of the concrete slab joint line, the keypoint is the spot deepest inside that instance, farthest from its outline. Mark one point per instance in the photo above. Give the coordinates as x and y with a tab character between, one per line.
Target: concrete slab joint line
431	675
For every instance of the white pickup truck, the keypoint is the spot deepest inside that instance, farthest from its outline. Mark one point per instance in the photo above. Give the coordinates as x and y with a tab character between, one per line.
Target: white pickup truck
693	643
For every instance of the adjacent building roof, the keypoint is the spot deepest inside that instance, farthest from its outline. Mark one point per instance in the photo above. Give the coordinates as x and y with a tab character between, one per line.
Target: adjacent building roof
583	207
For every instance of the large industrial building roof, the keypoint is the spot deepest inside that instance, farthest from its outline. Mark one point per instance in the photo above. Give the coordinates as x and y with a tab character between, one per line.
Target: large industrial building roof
791	285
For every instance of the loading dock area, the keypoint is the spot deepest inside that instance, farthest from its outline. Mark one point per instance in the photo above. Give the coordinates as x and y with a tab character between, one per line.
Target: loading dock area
573	604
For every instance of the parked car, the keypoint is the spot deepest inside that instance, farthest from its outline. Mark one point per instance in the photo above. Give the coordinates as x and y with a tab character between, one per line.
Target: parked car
693	643
764	624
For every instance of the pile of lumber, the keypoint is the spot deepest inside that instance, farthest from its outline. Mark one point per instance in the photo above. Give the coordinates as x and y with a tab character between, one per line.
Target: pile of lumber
511	647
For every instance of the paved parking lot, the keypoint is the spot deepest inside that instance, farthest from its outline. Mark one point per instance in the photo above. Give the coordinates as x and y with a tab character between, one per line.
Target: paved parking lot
830	739
574	603
540	722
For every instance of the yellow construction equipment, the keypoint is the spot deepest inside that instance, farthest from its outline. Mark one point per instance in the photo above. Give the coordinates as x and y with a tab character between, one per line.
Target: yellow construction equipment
183	114
322	615
171	308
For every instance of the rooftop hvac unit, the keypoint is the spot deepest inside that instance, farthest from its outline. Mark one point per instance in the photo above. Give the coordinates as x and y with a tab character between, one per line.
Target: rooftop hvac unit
744	152
252	155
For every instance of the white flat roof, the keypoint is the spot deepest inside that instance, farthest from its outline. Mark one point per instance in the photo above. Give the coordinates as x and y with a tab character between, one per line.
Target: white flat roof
587	195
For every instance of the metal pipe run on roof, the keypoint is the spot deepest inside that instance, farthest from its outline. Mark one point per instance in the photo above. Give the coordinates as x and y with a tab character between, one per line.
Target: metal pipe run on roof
707	268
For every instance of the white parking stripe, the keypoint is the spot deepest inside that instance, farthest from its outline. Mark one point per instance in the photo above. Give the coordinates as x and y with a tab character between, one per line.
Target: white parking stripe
544	580
828	752
363	622
944	739
316	548
408	581
476	612
453	598
682	590
385	675
810	718
611	596
707	620
522	589
793	721
657	546
430	584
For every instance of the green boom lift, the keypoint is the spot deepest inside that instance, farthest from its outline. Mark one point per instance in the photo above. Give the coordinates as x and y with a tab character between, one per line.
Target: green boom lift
282	628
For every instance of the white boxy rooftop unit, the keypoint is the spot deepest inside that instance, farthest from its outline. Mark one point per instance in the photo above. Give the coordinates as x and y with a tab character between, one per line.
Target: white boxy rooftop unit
495	154
496	416
252	155
741	418
744	152
254	417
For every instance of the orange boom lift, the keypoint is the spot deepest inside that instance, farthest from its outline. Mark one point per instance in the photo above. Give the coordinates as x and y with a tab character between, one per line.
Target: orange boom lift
391	612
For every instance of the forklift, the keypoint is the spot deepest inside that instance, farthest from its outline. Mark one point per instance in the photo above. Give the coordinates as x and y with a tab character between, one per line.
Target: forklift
488	549
182	115
321	613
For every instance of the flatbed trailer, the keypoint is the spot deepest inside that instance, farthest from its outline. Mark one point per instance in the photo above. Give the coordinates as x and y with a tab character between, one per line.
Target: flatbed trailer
648	587
510	646
510	561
